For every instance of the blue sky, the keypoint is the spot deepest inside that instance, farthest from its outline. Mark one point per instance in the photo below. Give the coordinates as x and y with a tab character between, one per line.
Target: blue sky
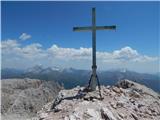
51	23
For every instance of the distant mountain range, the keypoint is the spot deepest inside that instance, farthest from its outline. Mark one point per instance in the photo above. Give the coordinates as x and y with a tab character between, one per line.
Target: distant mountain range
70	77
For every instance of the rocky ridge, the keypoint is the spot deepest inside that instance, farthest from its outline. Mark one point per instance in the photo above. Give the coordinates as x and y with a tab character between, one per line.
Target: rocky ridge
22	98
126	100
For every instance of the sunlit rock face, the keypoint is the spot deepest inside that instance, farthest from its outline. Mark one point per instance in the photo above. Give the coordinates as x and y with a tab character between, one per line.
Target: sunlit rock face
126	100
22	98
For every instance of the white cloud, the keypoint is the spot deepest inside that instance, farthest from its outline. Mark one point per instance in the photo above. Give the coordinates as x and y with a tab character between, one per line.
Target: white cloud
129	54
69	53
32	51
14	54
9	44
25	36
126	53
13	50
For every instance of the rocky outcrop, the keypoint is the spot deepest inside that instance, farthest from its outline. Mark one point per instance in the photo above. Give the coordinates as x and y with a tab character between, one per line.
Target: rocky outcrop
22	98
126	100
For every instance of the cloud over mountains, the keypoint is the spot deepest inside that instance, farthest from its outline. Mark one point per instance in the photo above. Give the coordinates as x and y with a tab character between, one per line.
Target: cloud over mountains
16	55
24	36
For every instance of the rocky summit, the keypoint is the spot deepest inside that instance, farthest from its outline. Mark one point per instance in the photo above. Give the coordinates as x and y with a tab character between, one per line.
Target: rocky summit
126	100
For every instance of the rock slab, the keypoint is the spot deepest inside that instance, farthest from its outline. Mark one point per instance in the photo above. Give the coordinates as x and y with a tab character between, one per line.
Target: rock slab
126	100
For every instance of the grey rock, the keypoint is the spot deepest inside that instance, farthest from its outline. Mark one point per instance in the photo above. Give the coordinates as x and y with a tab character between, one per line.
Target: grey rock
24	97
125	101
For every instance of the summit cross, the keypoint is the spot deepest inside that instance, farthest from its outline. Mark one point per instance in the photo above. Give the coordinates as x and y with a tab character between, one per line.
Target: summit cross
92	83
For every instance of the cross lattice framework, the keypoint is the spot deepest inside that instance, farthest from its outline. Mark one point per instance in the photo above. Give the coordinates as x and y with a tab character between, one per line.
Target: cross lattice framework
92	83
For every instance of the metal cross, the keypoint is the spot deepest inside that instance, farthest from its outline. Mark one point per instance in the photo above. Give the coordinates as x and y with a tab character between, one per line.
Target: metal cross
93	28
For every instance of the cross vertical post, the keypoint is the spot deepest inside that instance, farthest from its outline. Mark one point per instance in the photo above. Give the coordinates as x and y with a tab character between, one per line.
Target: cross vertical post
94	66
93	28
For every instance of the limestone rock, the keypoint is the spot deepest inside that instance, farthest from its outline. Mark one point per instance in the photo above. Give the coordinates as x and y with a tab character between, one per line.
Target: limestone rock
126	100
22	98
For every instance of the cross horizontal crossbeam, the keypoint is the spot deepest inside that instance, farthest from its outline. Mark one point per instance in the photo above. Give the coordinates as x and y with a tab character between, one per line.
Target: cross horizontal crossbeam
112	27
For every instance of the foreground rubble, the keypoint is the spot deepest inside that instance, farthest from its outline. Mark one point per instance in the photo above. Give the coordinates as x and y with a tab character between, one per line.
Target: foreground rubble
125	101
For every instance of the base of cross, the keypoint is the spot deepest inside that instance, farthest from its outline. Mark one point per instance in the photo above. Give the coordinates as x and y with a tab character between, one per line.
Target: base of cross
88	88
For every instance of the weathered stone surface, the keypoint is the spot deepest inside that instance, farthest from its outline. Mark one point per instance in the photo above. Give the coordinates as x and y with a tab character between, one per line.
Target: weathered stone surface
22	98
107	114
117	90
125	101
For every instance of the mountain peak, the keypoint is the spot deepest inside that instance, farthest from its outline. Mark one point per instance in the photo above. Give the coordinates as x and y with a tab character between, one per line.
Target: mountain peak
39	69
126	100
35	69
